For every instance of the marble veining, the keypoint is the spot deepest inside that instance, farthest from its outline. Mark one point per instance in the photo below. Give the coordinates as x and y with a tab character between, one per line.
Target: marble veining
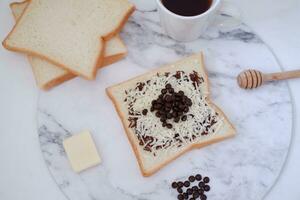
242	168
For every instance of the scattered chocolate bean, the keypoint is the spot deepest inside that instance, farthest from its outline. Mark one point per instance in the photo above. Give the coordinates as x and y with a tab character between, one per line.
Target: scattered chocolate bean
200	190
203	197
174	185
180	197
206	188
164	91
206	180
144	112
196	194
180	184
195	188
169	126
176	119
192	178
185	195
171	90
201	184
198	177
192	192
168	86
186	184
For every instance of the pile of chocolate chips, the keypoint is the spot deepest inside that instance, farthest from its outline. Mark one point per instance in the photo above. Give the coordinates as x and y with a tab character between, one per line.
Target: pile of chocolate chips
170	105
193	188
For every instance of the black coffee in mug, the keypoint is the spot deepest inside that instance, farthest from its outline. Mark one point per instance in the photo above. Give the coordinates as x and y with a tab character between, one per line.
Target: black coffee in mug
187	7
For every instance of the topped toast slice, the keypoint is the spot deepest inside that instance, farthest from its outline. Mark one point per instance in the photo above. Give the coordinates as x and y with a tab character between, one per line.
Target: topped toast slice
168	111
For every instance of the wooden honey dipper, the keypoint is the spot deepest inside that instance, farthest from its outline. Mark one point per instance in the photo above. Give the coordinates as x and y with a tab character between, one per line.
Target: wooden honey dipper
251	78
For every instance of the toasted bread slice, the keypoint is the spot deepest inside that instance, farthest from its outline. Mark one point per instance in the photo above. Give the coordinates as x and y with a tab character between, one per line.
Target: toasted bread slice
155	145
69	33
48	75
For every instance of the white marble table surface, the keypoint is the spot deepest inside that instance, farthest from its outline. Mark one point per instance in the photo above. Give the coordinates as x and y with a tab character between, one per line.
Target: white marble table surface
22	170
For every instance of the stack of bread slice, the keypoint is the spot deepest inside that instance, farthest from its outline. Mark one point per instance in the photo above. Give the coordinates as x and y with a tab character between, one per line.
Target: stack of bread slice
68	38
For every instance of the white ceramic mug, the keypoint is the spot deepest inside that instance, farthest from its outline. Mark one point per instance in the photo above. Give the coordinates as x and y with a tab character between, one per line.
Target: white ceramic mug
186	28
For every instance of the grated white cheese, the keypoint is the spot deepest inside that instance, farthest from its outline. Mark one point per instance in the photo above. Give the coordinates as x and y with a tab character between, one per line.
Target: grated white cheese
188	131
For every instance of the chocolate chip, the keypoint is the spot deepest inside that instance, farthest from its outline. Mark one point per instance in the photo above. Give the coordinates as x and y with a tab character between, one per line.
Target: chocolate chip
184	118
195	188
179	190
192	199
175	108
152	109
174	185
160	101
185	195
196	194
184	98
168	86
180	197
163	119
157	106
171	90
167	109
177	98
169	126
168	105
145	111
161	96
181	107
164	124
201	184
203	197
198	177
180	184
189	102
176	119
153	102
169	116
192	178
157	114
186	109
168	98
206	188
206	179
164	91
174	114
181	93
200	190
189	191
186	183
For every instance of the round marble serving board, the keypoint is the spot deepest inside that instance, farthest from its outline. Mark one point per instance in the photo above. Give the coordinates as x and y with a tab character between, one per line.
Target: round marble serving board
244	167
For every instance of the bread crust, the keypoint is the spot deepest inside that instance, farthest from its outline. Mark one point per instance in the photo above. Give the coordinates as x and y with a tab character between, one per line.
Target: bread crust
130	136
45	57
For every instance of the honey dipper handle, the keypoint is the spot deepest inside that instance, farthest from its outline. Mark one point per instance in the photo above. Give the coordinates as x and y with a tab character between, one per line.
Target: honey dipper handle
281	75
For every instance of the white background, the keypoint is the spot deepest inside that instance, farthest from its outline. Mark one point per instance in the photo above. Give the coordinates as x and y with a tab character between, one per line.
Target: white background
23	174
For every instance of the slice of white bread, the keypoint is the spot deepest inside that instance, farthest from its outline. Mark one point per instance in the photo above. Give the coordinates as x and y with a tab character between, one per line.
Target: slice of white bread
69	33
48	75
121	95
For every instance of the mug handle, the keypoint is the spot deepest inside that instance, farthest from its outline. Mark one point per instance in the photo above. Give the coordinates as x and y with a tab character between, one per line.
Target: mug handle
231	15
